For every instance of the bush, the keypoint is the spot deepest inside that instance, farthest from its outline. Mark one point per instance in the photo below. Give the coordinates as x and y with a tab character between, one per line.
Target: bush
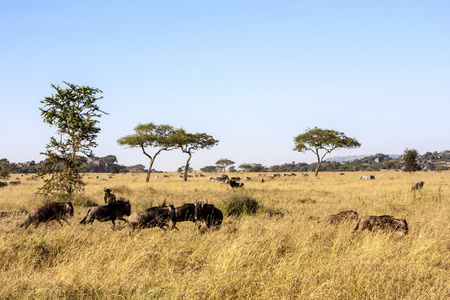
238	205
83	201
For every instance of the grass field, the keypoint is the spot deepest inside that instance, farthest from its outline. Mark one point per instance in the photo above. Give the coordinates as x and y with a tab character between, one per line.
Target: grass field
281	252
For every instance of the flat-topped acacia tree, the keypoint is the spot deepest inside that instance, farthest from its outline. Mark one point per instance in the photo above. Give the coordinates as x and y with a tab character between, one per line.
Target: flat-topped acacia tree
317	139
190	142
150	135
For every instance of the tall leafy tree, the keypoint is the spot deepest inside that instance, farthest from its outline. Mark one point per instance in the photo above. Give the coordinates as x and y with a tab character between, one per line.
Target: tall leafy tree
410	161
150	135
190	142
75	113
223	163
321	142
5	168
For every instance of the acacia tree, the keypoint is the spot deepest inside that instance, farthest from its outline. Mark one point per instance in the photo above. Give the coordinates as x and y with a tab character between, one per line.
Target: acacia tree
150	135
223	163
317	139
410	164
190	142
74	112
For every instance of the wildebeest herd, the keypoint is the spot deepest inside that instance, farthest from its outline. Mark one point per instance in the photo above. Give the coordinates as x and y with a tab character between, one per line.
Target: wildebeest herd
198	212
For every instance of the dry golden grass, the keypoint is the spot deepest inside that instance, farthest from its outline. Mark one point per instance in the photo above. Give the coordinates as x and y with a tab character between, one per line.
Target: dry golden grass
264	256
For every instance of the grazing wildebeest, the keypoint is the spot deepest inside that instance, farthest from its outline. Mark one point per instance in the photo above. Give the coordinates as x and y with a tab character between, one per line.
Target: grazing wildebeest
367	177
248	178
109	197
418	185
110	212
235	184
51	211
345	215
3	184
183	213
152	217
208	214
384	222
14	182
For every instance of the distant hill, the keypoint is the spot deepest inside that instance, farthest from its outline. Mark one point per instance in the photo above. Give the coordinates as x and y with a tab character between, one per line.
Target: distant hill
350	158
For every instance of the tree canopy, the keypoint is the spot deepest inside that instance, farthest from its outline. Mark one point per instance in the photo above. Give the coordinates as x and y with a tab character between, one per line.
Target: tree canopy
316	140
150	135
190	142
74	113
410	161
223	163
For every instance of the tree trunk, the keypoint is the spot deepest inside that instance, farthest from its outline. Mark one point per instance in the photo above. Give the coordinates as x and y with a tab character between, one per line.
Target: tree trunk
186	168
149	169
319	162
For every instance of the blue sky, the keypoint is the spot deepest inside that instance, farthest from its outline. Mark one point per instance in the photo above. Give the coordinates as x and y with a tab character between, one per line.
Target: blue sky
253	74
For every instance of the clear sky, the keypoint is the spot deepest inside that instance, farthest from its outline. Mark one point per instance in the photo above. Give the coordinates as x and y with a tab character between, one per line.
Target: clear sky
253	74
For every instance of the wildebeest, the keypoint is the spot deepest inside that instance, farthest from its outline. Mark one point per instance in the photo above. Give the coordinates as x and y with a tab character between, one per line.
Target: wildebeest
110	212
183	213
384	222
208	214
51	211
14	182
418	185
3	184
235	178
344	215
235	184
367	177
109	197
152	217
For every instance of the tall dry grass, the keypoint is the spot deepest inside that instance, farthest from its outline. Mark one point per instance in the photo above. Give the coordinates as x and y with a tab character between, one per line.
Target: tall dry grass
285	255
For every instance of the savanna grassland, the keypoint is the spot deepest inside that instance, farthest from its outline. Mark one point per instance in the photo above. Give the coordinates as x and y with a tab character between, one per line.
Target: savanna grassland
281	252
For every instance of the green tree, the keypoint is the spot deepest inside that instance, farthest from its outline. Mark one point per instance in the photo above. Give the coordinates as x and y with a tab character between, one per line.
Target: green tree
110	159
150	135
223	163
74	113
410	164
5	168
208	169
245	166
316	140
190	142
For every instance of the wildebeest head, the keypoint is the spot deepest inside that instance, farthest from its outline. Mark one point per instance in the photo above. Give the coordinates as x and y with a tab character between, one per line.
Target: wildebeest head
418	185
68	208
108	191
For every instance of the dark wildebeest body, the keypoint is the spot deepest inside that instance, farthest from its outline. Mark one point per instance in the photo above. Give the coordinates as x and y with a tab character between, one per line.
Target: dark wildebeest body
183	213
418	185
367	177
152	217
384	222
109	197
345	215
235	184
51	211
208	214
3	184
17	182
110	212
